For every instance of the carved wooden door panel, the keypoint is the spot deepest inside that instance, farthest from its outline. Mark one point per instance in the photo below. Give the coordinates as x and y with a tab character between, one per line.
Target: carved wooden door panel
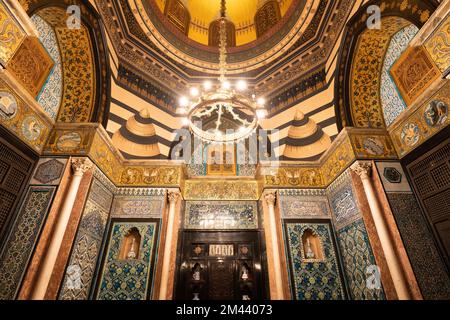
221	280
220	266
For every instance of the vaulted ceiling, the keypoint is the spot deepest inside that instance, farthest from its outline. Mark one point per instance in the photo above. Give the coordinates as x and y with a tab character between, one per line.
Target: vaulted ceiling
155	62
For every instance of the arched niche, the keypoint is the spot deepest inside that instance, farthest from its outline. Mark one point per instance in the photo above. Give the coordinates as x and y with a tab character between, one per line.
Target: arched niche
311	246
361	59
214	34
267	16
84	60
131	245
178	14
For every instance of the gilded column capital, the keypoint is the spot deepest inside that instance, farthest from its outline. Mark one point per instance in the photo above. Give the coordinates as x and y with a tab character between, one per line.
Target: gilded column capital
173	196
270	197
81	165
362	169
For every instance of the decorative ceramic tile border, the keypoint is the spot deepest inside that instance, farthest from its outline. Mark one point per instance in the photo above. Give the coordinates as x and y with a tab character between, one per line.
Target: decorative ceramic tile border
218	215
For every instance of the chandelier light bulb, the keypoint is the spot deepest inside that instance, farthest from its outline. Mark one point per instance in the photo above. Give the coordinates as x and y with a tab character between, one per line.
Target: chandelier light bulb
261	101
185	121
241	85
226	85
207	85
184	102
261	113
194	92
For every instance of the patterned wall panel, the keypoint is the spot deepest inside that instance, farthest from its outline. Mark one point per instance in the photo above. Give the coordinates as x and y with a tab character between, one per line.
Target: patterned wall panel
48	171
22	239
352	237
80	272
314	280
343	202
357	257
308	203
50	96
425	259
221	215
31	65
429	269
414	72
391	101
128	279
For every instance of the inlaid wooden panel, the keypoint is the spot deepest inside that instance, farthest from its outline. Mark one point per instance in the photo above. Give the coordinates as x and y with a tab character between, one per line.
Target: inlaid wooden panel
15	169
430	176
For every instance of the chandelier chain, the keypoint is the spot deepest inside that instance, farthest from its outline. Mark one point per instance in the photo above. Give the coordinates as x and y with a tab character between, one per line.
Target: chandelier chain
223	42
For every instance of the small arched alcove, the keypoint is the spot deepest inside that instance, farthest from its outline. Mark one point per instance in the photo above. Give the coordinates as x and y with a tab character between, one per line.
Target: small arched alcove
311	246
131	245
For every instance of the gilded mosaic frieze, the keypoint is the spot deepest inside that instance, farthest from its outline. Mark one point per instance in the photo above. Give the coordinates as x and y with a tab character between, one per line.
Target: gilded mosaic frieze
151	176
423	122
339	160
292	177
31	65
220	190
11	36
438	46
21	119
413	73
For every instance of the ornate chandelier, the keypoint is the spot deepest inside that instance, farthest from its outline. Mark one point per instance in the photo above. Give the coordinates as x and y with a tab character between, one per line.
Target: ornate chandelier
221	113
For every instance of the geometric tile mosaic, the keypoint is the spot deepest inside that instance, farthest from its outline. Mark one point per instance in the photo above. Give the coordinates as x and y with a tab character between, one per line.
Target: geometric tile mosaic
79	275
357	257
128	279
429	269
314	280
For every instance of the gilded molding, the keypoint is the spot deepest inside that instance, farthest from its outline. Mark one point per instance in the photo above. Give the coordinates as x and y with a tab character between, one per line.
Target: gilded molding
202	189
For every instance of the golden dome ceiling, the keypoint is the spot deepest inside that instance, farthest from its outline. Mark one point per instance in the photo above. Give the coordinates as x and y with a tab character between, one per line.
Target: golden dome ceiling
240	12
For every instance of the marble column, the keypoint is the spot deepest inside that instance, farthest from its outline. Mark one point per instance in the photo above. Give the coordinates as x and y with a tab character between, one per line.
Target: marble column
173	197
364	170
79	167
270	198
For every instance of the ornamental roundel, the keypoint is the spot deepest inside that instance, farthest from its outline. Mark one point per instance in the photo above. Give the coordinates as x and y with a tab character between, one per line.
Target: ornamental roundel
31	128
410	134
436	113
8	105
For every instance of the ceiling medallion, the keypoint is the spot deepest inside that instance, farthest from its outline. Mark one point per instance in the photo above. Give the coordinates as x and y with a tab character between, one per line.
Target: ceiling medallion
222	114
